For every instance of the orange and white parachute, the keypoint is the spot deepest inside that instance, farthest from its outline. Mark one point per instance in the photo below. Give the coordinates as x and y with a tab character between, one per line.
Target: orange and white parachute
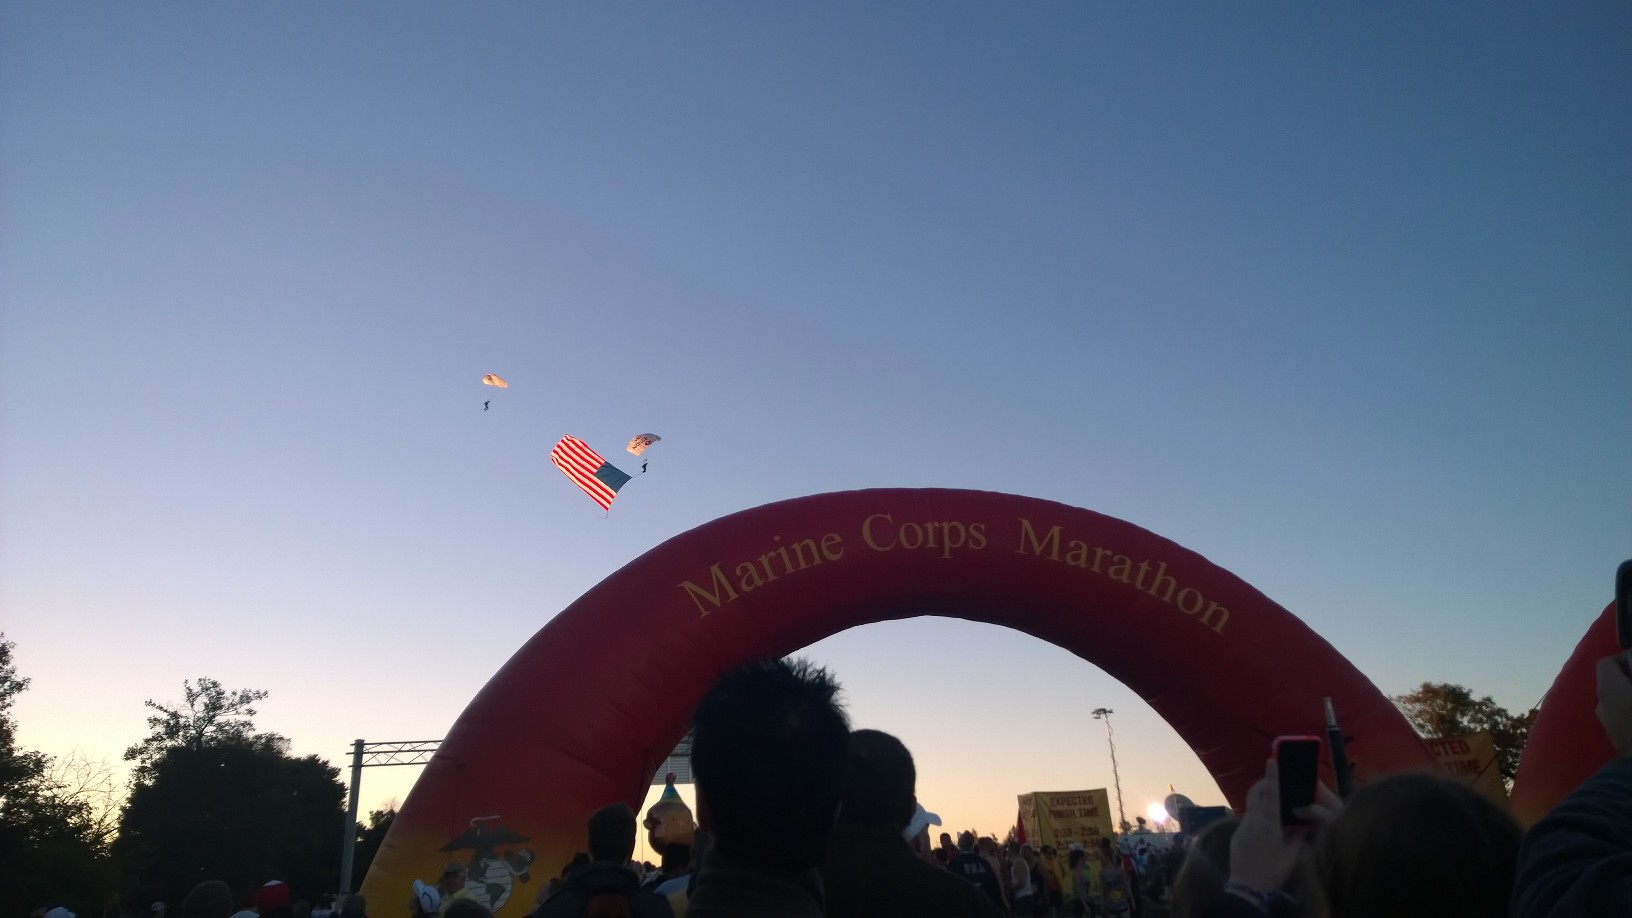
492	380
641	441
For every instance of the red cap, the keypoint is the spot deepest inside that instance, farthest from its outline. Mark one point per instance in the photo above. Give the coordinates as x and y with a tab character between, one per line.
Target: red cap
275	894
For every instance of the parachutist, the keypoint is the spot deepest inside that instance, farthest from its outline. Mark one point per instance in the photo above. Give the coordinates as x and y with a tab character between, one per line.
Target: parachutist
643	467
484	406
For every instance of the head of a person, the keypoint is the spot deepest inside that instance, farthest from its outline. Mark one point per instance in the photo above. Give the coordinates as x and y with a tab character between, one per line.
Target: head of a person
1076	858
987	846
1418	844
1048	852
1028	853
966	842
612	833
917	831
770	745
1206	869
272	900
353	906
946	840
209	899
425	900
879	783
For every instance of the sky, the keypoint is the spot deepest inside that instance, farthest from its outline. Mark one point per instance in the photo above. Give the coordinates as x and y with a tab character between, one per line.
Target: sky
1335	295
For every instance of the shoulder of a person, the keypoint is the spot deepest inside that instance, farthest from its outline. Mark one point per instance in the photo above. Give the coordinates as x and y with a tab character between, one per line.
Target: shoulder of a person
960	896
651	905
567	903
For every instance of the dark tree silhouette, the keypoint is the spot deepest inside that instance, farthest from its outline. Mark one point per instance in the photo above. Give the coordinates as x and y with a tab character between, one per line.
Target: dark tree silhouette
214	800
51	850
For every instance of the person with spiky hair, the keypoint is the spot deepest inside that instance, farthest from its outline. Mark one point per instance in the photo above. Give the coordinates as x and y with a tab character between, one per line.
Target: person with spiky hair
870	870
770	746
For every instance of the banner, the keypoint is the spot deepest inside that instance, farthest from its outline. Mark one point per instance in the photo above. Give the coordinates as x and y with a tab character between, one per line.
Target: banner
1471	759
1059	818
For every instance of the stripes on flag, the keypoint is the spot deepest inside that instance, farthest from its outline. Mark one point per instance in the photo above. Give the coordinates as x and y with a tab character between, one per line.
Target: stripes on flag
597	477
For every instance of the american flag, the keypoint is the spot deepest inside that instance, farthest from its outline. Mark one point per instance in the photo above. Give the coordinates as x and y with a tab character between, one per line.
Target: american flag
599	478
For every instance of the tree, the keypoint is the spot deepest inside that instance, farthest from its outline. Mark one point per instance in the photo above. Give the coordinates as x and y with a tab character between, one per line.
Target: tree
211	716
49	845
214	800
369	838
17	766
1439	709
95	785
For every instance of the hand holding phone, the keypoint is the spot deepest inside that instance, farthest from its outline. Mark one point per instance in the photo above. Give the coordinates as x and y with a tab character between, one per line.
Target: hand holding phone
1297	758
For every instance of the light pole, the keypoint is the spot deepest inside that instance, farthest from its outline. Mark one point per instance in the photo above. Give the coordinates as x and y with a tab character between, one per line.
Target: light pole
1116	776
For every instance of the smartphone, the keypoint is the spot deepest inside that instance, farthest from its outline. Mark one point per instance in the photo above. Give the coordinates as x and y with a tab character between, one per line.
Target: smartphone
1623	605
1298	759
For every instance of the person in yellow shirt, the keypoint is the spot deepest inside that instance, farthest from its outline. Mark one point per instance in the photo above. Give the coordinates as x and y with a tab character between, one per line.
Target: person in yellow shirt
1052	895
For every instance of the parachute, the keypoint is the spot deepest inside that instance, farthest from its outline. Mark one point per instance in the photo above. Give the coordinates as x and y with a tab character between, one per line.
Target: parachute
641	441
491	380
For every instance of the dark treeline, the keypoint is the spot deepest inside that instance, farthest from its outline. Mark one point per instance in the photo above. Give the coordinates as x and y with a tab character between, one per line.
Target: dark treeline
209	798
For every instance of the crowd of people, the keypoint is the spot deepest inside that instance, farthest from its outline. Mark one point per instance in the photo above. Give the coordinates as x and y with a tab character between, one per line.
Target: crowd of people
851	840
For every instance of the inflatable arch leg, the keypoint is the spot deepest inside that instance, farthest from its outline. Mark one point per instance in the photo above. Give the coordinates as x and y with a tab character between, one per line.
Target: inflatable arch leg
1566	743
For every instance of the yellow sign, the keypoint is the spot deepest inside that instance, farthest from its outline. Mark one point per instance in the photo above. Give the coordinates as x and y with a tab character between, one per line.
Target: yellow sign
1471	759
1060	818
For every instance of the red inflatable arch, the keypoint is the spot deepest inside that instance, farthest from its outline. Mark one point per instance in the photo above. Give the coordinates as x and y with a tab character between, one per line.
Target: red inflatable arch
1566	743
583	713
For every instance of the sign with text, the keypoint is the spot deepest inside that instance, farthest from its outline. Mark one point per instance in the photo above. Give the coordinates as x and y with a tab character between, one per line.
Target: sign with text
1059	818
1471	759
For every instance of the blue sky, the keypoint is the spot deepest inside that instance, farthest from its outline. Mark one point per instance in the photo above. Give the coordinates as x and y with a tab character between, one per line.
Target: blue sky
1336	296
